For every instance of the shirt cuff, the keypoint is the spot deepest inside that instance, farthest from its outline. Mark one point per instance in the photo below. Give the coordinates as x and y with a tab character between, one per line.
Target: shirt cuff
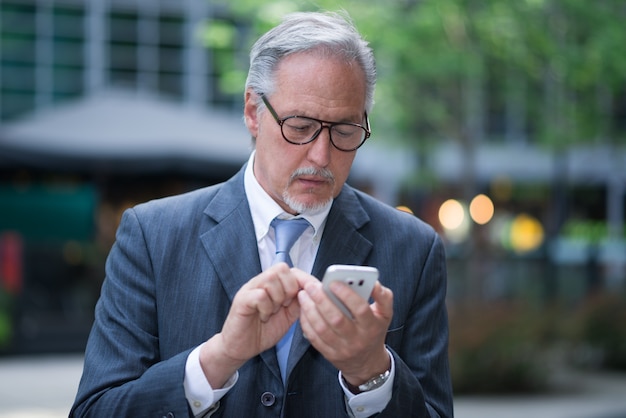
199	393
368	403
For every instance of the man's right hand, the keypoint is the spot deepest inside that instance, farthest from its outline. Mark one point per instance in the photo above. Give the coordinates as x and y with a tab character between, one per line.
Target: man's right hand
260	315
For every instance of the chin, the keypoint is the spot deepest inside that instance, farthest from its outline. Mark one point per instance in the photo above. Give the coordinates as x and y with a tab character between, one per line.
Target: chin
306	206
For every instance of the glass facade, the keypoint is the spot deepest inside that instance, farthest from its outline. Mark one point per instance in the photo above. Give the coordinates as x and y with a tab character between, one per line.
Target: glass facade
55	50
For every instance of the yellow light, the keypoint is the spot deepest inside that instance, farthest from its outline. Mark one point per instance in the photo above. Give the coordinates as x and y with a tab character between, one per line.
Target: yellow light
526	234
481	209
451	214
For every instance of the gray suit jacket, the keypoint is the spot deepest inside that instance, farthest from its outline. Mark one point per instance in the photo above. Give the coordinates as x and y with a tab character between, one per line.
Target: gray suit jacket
174	270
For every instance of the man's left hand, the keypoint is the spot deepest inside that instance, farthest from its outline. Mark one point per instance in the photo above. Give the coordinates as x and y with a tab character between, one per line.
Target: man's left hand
354	346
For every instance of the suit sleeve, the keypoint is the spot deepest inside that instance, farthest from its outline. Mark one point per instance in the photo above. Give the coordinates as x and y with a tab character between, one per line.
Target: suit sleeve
422	385
124	374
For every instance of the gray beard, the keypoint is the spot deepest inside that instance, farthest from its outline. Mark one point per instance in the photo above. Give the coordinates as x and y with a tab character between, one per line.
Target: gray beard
304	208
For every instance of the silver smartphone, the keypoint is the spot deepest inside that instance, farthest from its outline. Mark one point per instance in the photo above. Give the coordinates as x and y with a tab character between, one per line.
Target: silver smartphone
360	278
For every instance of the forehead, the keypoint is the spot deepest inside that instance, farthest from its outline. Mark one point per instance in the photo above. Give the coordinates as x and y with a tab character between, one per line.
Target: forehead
321	79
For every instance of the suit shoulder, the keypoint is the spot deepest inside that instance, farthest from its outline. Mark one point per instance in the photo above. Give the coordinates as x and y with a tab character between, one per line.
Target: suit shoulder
391	218
188	201
227	193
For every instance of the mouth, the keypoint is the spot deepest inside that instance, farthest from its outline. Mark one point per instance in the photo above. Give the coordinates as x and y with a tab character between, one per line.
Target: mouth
311	181
313	178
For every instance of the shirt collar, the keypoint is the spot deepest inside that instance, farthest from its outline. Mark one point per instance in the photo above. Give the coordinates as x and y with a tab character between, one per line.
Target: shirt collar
264	209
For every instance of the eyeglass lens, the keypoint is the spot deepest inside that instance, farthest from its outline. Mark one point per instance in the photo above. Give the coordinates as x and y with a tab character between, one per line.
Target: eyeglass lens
301	129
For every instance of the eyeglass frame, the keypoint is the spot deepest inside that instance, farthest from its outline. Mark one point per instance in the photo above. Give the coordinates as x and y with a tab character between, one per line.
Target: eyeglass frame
323	123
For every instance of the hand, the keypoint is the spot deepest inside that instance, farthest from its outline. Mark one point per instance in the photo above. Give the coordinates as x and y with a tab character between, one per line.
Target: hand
357	346
261	313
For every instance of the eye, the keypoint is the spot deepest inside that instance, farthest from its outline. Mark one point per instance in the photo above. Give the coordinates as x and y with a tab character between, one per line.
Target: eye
345	131
301	125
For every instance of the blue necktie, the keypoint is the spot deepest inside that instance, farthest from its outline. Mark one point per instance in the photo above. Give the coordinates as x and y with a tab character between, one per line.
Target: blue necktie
287	233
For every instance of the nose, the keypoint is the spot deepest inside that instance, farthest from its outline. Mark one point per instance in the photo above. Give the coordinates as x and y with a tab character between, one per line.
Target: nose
320	148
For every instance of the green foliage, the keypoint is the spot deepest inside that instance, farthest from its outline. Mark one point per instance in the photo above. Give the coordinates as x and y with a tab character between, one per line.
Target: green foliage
558	54
498	349
603	327
513	348
218	35
585	230
6	327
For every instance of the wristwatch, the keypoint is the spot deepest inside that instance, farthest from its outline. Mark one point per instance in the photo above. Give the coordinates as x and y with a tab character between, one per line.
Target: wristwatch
374	382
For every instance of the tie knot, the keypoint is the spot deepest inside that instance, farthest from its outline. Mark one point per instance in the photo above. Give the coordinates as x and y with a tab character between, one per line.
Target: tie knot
287	232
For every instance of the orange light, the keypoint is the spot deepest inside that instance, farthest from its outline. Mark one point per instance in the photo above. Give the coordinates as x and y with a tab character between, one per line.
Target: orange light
481	209
405	209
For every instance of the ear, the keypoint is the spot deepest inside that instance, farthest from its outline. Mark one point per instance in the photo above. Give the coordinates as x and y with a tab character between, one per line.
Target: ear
250	112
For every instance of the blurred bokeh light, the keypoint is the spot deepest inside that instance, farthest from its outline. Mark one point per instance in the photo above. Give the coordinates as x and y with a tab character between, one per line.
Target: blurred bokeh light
481	209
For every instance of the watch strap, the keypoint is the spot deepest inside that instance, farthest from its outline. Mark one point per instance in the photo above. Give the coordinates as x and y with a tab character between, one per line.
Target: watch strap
374	382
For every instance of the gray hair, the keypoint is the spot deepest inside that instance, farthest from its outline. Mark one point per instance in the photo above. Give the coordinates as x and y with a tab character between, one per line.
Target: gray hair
332	34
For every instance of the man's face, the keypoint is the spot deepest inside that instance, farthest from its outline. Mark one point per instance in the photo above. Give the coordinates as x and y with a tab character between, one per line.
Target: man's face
303	178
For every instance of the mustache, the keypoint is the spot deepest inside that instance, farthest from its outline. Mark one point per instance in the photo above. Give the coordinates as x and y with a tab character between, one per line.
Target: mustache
312	171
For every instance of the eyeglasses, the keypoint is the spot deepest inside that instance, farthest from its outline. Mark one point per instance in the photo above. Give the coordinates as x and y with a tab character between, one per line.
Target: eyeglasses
300	130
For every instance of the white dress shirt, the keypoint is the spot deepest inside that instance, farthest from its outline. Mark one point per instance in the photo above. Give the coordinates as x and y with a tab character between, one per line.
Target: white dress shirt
200	395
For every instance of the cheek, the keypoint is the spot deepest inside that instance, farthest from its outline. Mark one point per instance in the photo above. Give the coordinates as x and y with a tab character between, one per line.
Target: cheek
341	167
273	167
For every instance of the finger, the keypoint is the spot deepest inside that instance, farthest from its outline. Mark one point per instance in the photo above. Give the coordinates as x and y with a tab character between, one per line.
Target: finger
303	278
383	300
263	293
289	284
355	303
320	299
264	276
274	293
325	317
313	325
278	283
306	310
334	345
259	302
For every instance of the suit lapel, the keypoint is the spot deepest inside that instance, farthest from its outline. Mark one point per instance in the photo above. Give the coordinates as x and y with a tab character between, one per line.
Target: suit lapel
229	241
342	243
231	245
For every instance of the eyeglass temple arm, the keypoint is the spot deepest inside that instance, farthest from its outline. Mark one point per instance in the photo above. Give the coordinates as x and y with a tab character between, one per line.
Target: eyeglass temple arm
271	109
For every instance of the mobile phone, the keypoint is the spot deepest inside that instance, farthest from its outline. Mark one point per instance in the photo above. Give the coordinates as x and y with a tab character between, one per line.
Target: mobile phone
360	278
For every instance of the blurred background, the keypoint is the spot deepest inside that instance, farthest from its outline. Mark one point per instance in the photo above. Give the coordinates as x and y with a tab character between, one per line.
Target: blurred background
501	123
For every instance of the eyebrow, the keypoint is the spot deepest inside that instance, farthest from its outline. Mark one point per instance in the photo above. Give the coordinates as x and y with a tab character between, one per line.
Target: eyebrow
305	115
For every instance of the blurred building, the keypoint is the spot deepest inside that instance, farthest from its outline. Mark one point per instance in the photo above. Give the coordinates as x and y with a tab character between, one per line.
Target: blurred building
106	103
102	104
54	50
